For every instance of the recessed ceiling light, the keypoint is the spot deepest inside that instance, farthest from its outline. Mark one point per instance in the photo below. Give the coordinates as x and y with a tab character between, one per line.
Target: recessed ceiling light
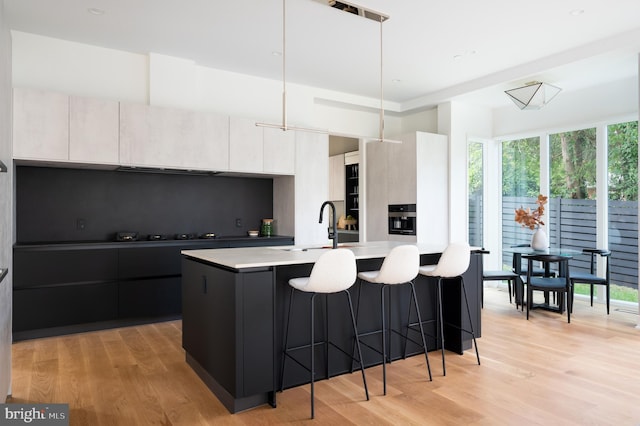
95	11
276	53
576	12
460	56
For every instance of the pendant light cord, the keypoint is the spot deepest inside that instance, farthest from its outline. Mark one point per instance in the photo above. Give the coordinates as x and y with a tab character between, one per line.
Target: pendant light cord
284	65
381	88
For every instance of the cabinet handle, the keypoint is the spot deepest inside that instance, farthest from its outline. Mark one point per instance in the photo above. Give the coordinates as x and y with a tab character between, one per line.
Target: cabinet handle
204	284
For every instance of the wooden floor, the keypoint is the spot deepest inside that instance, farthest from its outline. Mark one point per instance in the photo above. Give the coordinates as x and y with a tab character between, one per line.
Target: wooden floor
542	371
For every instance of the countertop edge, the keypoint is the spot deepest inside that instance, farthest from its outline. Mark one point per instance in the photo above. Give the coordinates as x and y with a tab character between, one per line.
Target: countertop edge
258	257
143	243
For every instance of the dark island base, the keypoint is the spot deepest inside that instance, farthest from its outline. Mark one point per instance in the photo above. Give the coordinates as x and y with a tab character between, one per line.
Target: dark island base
234	405
233	330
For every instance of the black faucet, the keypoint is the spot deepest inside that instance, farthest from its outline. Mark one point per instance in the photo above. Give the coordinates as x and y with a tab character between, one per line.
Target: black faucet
333	234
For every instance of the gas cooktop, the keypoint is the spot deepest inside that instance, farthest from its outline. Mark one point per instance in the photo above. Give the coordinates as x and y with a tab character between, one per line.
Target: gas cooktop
135	236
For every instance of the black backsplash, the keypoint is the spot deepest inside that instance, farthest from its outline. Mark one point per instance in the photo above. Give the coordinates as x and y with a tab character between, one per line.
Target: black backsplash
52	204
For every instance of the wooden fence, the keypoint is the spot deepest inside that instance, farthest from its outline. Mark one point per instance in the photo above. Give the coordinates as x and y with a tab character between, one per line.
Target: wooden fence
572	224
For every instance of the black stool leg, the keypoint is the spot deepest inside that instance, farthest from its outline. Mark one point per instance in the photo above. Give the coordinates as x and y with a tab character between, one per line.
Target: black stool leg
424	343
466	301
357	339
313	297
353	349
441	328
285	347
384	345
326	335
406	334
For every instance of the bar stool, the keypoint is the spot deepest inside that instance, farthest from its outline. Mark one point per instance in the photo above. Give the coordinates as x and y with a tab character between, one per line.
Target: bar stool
334	272
452	264
399	267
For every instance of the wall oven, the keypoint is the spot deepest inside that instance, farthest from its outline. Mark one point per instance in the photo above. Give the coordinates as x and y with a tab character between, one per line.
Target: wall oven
402	219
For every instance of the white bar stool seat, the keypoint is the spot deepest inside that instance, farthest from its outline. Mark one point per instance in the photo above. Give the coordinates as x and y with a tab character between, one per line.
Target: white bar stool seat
334	272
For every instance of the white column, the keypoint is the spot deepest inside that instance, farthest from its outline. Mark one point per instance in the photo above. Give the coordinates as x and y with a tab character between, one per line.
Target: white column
638	326
602	200
545	174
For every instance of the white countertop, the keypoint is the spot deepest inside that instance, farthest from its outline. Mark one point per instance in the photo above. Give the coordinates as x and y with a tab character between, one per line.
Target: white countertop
254	257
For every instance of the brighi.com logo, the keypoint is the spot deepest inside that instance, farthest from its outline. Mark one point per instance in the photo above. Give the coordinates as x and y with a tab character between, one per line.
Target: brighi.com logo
34	414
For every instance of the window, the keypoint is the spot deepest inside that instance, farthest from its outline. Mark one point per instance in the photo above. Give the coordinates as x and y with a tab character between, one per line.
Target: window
476	188
520	187
572	195
589	204
622	141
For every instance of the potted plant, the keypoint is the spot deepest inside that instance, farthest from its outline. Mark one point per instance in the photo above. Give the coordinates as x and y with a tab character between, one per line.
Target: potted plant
532	219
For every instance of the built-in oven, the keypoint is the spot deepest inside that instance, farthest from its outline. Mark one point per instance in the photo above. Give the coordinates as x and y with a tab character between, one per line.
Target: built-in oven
402	219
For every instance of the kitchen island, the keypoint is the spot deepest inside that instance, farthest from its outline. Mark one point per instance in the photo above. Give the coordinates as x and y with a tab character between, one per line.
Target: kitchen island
235	301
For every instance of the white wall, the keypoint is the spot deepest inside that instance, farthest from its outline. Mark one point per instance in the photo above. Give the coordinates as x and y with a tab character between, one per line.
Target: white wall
78	69
461	122
422	121
81	69
6	207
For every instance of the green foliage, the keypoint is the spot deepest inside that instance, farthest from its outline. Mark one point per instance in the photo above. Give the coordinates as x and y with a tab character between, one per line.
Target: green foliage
521	167
475	168
623	161
572	164
618	292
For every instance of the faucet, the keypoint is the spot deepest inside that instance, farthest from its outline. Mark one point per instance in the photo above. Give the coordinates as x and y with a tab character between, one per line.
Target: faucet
333	235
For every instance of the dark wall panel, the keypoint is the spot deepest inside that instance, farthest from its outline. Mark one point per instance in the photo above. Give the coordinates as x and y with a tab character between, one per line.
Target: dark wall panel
51	201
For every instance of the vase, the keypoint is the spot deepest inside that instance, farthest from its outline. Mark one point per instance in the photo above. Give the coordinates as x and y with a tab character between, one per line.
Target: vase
539	240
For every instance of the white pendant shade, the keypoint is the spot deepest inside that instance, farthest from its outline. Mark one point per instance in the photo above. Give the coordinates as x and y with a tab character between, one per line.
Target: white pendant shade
533	95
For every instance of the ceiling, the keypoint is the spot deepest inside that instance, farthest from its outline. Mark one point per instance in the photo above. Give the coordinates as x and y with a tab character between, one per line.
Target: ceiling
433	51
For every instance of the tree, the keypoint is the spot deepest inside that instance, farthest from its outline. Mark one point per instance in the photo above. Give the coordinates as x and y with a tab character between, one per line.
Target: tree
623	161
573	164
521	167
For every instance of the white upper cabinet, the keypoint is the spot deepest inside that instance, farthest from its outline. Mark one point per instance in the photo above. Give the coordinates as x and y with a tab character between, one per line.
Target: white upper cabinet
337	178
401	171
40	125
279	151
93	130
51	126
246	146
173	138
377	198
210	149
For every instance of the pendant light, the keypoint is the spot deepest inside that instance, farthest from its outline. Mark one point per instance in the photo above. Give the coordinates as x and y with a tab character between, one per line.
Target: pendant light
378	17
381	129
533	95
284	126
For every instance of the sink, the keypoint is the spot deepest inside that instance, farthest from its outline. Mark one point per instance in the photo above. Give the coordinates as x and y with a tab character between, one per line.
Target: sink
311	248
299	248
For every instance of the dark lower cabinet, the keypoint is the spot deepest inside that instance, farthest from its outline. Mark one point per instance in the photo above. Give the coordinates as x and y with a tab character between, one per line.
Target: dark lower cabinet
228	331
67	288
151	297
65	305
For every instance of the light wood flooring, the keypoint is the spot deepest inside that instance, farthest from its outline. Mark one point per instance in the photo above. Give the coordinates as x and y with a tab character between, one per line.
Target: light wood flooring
542	371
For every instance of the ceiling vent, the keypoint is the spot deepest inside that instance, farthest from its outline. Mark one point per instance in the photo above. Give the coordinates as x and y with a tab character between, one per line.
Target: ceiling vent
357	10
